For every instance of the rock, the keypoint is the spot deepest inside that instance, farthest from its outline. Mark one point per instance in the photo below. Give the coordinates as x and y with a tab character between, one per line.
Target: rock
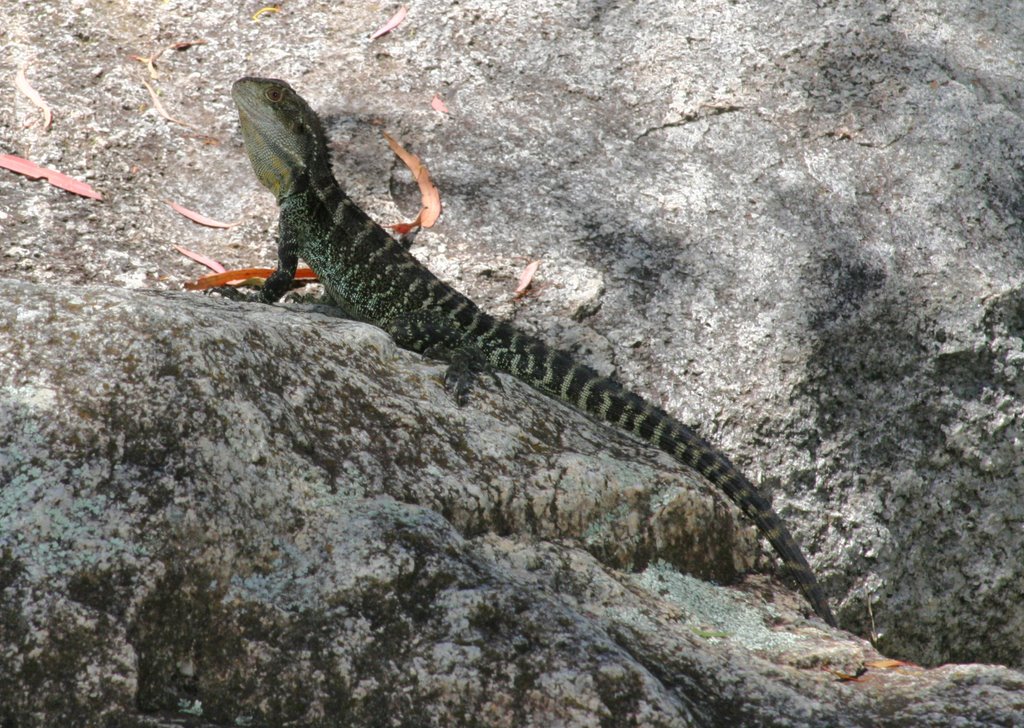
236	514
796	227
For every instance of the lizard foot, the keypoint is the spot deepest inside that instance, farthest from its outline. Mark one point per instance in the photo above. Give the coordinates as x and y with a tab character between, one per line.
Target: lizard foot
231	293
464	365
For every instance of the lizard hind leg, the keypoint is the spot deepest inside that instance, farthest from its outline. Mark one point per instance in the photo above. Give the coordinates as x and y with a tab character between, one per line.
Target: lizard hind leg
464	364
431	333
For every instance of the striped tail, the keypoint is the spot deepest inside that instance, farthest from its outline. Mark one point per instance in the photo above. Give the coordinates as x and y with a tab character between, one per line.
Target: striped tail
556	373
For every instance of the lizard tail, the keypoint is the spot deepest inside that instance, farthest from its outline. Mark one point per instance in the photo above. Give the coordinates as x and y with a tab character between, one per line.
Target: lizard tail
558	374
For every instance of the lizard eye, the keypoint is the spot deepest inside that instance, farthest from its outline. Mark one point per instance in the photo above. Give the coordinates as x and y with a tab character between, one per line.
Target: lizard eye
274	94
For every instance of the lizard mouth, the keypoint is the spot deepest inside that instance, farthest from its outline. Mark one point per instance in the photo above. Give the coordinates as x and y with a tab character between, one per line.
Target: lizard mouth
245	92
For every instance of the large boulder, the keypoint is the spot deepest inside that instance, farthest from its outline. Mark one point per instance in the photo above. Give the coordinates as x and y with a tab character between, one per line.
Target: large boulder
234	513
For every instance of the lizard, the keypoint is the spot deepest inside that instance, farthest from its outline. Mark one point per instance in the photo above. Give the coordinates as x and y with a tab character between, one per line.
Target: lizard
373	277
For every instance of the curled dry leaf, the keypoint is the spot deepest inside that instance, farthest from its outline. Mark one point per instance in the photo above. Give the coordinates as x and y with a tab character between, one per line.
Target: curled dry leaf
266	10
431	198
26	88
55	178
200	218
391	24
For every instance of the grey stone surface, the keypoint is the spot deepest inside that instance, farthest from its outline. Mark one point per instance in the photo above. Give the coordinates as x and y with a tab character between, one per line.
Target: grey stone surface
797	227
180	541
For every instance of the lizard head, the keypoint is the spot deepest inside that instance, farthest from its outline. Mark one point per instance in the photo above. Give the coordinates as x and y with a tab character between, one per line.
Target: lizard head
284	137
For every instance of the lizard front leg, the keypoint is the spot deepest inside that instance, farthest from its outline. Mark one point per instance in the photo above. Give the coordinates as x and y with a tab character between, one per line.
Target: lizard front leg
287	261
431	333
278	282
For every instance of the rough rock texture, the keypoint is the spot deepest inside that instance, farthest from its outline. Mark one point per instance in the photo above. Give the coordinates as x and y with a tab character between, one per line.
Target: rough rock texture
797	226
207	511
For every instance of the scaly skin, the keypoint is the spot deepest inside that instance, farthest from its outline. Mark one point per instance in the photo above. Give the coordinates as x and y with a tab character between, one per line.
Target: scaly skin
375	279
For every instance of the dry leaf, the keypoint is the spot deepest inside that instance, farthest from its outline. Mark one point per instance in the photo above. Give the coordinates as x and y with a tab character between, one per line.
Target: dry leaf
206	260
391	24
160	107
55	178
438	105
846	677
887	664
26	88
200	218
431	198
243	275
265	10
150	62
525	279
182	45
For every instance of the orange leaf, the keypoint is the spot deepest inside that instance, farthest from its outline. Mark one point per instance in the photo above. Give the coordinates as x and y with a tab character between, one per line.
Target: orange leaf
846	677
228	276
55	178
26	88
431	198
391	24
525	278
887	664
206	260
243	274
199	218
438	105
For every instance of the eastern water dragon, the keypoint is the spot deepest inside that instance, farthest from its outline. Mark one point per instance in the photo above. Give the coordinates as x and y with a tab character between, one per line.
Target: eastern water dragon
374	278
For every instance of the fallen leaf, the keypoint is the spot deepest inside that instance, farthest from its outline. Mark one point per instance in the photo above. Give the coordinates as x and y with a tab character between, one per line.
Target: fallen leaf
391	24
182	45
55	178
525	279
200	218
887	664
431	198
26	88
160	107
438	105
265	10
846	677
206	260
403	227
150	63
243	275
